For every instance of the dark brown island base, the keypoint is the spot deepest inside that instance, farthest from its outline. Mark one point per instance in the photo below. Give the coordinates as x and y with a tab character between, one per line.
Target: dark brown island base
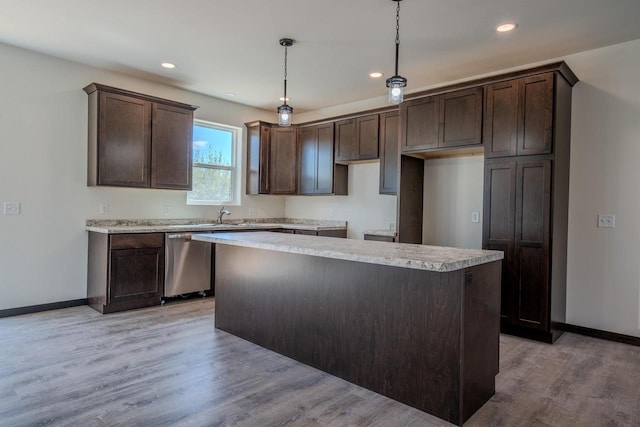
419	324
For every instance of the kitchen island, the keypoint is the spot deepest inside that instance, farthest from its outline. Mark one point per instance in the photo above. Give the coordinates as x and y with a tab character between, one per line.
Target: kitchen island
419	324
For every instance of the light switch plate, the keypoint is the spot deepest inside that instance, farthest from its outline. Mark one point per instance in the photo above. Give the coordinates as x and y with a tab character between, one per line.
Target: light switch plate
606	221
12	208
475	216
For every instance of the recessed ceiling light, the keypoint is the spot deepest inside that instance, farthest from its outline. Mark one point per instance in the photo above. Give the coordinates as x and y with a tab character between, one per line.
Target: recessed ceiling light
283	100
230	94
376	75
168	65
504	28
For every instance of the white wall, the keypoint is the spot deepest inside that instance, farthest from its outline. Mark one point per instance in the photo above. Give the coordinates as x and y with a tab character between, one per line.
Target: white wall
604	264
363	209
452	190
43	161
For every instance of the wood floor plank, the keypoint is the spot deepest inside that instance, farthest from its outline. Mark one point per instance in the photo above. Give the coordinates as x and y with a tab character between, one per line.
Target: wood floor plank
169	366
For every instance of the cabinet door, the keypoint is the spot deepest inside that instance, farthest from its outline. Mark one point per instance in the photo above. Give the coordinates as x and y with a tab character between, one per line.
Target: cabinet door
283	164
124	141
253	159
533	200
501	119
171	147
308	145
258	157
265	160
460	118
389	145
367	137
535	121
498	231
135	274
325	163
346	140
419	124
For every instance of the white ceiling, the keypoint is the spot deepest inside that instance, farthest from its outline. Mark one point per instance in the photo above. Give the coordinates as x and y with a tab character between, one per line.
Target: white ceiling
223	46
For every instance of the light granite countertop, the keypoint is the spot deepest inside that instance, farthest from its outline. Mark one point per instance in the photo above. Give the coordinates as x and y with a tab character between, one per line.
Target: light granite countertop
120	226
419	257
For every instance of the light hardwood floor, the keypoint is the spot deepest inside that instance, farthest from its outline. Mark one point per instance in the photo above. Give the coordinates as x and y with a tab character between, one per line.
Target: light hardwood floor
170	366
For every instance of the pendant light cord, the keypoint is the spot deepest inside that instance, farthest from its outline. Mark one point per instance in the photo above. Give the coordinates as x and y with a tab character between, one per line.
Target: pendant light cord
285	75
397	33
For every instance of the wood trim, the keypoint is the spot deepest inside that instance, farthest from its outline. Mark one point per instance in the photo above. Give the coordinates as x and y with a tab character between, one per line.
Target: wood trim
350	116
42	307
89	89
597	333
560	67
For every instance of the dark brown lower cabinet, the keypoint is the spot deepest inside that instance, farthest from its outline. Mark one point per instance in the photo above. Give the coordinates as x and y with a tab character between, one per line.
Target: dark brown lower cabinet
125	271
379	238
424	338
324	233
517	220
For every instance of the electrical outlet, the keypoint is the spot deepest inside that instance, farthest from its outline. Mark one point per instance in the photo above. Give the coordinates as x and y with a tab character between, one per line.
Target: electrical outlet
12	208
253	212
332	213
475	216
392	226
606	221
166	210
104	208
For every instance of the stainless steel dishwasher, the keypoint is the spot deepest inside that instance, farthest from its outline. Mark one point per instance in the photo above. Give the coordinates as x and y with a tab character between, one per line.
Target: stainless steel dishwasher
187	265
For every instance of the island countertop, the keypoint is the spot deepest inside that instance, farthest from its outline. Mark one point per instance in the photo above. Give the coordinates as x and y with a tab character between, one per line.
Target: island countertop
419	257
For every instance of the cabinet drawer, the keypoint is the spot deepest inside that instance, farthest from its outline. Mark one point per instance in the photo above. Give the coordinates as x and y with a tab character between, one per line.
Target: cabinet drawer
379	238
307	232
136	241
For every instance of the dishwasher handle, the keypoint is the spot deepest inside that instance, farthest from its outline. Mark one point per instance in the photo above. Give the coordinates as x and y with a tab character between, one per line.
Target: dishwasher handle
183	236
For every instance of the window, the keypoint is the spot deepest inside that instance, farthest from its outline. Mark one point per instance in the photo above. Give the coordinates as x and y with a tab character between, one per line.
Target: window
214	164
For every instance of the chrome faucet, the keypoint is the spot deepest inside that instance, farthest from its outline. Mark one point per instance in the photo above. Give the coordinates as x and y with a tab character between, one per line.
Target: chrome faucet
221	212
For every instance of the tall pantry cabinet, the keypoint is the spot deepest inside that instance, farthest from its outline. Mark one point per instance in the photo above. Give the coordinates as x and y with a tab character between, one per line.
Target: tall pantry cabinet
526	135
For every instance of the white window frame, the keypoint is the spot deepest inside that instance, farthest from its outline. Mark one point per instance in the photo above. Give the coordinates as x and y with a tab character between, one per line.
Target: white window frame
234	168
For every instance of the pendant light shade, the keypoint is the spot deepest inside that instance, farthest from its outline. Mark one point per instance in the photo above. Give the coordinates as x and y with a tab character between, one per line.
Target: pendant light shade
285	111
284	115
396	83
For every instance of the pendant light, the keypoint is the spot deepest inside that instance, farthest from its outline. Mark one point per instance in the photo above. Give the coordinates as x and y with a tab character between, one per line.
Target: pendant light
285	111
396	83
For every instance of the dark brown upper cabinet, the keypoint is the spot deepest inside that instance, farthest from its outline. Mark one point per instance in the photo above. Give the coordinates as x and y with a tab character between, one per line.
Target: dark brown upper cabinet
137	140
519	117
460	118
389	146
258	157
318	172
448	120
283	155
357	138
171	162
419	120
